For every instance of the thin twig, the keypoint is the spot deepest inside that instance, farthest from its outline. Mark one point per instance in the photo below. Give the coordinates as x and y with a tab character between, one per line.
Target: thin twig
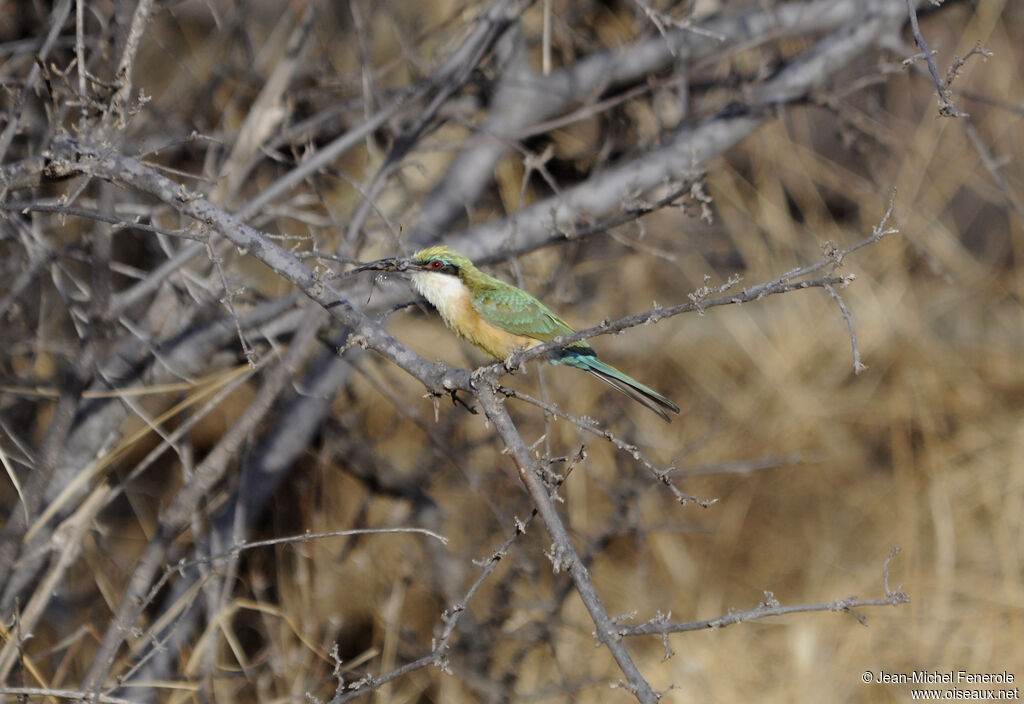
302	538
73	694
765	610
662	475
700	304
771	607
57	19
702	299
116	117
858	366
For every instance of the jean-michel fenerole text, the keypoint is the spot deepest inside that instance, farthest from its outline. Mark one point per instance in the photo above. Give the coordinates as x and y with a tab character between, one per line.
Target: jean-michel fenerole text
947	677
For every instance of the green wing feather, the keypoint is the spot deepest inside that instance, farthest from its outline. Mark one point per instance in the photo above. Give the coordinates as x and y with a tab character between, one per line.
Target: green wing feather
516	311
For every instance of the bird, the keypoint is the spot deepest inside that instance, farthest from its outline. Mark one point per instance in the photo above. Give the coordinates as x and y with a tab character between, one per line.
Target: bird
499	318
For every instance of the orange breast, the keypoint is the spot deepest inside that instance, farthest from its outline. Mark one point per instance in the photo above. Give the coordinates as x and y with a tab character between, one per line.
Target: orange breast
494	341
463	319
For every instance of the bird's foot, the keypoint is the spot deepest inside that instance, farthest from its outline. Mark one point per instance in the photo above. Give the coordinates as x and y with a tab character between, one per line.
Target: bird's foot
511	364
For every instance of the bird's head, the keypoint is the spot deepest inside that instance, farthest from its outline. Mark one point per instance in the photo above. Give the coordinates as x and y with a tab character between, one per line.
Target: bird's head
438	260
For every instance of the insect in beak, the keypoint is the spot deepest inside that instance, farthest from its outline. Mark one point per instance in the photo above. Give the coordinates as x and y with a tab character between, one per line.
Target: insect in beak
397	264
389	264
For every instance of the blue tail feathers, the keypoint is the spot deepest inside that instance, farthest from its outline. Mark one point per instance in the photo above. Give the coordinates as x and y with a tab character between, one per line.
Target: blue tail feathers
584	358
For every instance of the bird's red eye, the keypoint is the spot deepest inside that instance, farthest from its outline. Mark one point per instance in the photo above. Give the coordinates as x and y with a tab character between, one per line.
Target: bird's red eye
436	264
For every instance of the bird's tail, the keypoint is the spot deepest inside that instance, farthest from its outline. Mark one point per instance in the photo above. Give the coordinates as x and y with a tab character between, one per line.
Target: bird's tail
622	382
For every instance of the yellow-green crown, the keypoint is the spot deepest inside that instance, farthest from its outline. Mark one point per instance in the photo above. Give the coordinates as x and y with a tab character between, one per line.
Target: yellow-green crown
446	255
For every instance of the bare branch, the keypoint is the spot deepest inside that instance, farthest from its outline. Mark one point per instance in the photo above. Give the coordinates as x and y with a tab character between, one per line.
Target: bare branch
72	157
946	107
117	115
563	555
663	475
72	694
771	607
781	285
524	100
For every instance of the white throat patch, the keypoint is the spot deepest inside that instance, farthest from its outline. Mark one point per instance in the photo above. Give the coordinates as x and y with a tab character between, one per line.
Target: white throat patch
445	292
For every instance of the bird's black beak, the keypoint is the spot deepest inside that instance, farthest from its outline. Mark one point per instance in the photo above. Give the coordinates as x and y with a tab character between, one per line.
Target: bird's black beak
388	264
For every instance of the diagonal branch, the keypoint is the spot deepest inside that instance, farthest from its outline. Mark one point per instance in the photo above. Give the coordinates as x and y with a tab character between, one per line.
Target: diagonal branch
523	101
691	146
563	554
69	157
700	304
702	300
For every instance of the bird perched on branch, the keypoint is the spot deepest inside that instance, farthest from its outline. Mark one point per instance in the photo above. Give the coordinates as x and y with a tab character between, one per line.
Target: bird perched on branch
500	319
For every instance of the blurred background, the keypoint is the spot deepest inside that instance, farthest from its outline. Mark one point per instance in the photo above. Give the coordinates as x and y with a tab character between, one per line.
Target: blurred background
817	472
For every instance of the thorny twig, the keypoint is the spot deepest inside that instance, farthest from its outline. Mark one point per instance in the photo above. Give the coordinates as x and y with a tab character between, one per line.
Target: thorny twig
660	625
702	300
662	475
942	85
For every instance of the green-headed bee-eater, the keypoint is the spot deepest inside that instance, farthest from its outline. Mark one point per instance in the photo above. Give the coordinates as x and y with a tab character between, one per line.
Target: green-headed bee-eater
499	318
